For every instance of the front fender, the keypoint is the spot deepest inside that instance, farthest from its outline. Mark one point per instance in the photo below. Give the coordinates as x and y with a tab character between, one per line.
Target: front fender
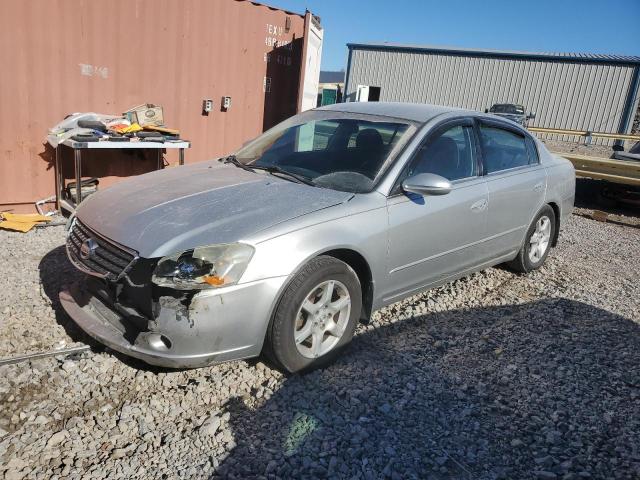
364	233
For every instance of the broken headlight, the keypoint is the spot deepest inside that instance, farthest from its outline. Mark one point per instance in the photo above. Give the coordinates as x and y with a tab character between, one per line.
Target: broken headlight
203	267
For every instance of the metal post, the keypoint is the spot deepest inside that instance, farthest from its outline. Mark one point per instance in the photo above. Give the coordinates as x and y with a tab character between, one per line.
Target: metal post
78	166
181	156
159	166
59	178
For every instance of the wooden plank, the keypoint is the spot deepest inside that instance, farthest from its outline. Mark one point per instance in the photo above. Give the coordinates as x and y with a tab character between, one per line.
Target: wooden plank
624	172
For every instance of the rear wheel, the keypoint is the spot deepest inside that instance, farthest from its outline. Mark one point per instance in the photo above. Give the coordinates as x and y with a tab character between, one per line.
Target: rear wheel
537	242
316	316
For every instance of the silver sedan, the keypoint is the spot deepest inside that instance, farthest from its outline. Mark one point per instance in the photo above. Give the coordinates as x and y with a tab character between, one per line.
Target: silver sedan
284	246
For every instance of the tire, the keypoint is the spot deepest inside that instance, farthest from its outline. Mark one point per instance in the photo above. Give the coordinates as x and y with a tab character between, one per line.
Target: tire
544	226
321	335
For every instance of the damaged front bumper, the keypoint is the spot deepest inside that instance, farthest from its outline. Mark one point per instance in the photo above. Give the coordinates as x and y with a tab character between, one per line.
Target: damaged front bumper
210	327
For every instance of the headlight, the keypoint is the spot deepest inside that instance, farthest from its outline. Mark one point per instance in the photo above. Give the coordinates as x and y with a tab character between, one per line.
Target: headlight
203	267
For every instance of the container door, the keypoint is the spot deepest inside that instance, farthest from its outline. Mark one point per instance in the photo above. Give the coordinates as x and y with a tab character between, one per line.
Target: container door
311	66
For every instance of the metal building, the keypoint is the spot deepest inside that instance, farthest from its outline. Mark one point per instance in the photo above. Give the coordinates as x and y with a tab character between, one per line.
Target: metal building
571	91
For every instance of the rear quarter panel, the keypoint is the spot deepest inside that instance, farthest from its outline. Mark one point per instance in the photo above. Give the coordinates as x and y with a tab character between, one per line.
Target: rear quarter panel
561	183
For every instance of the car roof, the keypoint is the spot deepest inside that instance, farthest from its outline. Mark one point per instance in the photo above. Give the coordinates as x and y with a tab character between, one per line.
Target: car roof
416	112
507	104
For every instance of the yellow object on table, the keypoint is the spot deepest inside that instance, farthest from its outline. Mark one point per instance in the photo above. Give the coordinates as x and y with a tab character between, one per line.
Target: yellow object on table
21	222
134	127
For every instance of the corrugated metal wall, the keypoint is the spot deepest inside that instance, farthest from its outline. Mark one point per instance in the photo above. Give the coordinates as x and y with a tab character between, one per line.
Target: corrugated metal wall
563	94
64	56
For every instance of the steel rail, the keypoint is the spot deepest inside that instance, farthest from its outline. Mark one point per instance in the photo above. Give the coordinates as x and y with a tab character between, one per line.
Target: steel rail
50	353
584	133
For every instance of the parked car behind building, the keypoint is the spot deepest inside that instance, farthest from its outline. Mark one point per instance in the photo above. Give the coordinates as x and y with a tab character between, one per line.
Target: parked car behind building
510	111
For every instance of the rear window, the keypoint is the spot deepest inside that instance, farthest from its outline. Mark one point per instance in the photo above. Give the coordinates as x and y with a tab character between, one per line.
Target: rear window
506	108
503	149
389	132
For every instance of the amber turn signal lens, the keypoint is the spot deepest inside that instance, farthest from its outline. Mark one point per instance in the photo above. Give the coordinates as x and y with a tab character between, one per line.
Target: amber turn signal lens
213	280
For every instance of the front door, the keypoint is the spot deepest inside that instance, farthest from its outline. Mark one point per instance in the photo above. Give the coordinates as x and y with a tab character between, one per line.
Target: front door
432	238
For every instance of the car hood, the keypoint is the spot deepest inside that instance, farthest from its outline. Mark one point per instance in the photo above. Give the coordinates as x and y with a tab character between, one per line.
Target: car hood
168	211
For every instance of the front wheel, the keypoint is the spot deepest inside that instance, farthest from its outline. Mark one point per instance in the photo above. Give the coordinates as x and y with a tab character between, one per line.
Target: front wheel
316	316
537	243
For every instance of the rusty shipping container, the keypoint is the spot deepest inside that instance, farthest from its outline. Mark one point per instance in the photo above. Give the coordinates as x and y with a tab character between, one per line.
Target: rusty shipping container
64	56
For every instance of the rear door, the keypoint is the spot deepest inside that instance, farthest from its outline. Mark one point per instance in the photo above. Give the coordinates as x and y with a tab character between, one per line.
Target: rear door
516	182
431	237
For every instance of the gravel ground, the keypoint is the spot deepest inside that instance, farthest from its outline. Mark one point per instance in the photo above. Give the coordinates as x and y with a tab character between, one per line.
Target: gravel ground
580	148
493	376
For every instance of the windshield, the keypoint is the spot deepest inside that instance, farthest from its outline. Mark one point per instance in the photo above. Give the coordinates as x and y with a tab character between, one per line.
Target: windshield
508	108
334	150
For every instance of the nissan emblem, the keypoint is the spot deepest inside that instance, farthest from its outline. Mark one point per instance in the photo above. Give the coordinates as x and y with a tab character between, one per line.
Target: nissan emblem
87	248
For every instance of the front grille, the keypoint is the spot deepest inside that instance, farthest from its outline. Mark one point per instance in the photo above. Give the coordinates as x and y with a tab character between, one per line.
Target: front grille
106	259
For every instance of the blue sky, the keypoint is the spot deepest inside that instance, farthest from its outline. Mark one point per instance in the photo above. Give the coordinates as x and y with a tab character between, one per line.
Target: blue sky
590	26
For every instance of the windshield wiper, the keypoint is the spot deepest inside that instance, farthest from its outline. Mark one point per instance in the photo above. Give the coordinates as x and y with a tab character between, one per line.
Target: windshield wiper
273	170
234	161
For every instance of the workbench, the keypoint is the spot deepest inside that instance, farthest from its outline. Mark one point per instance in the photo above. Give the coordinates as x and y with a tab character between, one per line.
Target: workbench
80	147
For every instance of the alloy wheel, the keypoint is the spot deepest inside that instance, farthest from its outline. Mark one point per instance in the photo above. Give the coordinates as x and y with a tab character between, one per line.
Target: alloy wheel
322	319
539	240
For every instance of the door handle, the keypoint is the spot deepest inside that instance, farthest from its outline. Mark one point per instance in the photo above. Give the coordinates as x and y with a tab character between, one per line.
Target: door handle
538	187
480	205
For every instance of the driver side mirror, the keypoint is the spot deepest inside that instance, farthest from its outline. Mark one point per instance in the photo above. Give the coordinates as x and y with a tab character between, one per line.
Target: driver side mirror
531	115
427	184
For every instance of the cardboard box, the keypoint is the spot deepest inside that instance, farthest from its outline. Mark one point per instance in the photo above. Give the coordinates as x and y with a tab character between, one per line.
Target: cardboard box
146	114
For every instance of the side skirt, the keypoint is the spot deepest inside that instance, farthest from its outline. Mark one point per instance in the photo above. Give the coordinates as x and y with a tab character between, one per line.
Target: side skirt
401	296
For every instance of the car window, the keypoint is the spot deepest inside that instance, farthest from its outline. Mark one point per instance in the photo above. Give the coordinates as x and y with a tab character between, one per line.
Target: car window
312	136
388	133
449	154
533	151
341	153
512	109
502	149
322	132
